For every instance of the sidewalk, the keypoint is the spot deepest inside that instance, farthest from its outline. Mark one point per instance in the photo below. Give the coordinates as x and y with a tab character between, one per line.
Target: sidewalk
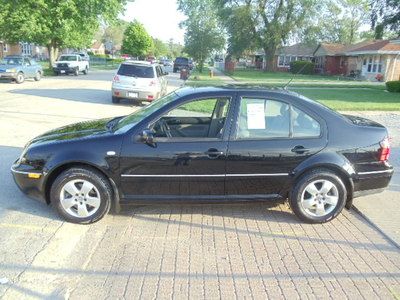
225	78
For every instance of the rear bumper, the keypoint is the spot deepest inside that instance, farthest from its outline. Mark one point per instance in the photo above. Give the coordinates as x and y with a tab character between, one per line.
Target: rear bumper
142	95
371	182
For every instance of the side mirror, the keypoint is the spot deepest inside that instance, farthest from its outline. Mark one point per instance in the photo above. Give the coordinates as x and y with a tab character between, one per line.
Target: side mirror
147	137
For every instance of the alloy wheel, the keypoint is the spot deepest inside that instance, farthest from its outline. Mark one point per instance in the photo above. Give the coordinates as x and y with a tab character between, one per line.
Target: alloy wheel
319	198
80	198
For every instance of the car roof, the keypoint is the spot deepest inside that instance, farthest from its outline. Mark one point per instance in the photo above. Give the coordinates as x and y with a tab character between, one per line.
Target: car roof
137	62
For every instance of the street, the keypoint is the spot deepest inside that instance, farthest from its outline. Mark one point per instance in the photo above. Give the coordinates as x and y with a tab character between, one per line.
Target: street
170	251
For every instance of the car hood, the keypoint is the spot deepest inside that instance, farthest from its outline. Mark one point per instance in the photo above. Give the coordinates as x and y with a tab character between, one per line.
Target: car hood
76	131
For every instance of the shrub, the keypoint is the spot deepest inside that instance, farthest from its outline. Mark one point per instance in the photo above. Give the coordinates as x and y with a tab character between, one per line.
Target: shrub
306	67
393	86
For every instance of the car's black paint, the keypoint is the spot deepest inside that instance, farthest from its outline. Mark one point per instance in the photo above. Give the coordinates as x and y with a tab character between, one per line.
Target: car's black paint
230	169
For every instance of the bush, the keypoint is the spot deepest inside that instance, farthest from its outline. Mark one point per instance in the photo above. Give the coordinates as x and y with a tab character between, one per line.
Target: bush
306	67
393	86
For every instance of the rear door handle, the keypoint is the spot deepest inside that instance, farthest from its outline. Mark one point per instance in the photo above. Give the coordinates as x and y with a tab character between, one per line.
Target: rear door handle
300	149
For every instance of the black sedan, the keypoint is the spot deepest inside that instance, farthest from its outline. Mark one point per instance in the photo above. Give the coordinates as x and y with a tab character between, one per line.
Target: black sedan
209	145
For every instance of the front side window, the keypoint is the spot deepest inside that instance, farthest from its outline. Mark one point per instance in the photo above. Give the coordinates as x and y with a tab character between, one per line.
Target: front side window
268	119
261	118
198	119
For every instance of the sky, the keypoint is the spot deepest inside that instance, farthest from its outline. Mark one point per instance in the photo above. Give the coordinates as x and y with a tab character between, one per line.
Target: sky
161	18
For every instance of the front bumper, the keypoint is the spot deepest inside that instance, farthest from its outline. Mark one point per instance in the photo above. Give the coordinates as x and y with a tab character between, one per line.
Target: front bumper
64	70
129	93
25	179
8	75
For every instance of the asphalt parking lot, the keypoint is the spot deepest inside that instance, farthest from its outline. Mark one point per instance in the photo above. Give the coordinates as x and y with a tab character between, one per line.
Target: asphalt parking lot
169	251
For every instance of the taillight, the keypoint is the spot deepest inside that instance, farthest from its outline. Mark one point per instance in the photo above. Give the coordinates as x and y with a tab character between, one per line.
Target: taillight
116	78
153	83
384	151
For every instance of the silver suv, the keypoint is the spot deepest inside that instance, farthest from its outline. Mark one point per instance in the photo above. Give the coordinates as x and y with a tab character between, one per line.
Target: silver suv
139	80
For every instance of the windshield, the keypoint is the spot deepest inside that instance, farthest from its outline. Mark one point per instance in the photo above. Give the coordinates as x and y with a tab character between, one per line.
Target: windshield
67	58
16	61
136	71
127	122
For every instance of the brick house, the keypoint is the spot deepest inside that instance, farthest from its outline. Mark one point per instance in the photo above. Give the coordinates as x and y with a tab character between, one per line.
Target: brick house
380	59
286	54
97	48
28	49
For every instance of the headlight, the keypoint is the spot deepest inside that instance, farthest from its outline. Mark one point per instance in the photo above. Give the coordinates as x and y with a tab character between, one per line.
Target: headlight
54	65
11	70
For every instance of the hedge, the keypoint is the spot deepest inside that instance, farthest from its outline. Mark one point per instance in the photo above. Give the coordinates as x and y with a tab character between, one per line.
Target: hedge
306	67
393	86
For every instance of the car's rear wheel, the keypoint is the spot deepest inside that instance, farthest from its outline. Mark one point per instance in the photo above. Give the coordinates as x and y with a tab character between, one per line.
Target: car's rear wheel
20	78
318	196
38	76
114	99
76	71
81	195
86	71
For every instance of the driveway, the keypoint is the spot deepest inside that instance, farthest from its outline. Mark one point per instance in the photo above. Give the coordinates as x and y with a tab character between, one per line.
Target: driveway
169	251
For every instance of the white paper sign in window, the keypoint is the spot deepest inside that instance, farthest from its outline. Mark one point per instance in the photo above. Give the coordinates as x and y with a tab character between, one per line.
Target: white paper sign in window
255	116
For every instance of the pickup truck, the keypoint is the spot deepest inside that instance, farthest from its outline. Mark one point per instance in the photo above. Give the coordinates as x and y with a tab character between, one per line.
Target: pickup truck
71	64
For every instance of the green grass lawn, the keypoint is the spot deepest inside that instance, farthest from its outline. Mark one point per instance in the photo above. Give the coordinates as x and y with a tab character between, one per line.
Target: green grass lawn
281	78
203	79
353	98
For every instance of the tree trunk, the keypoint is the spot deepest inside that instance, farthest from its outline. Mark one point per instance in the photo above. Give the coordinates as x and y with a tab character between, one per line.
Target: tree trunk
270	58
53	54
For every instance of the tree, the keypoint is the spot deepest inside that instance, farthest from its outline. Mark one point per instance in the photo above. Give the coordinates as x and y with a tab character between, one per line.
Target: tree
385	15
336	22
203	34
56	24
174	49
159	48
270	22
136	42
114	33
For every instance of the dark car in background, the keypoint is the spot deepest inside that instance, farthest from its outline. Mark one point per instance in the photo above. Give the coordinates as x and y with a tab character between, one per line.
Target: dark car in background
181	63
210	145
18	68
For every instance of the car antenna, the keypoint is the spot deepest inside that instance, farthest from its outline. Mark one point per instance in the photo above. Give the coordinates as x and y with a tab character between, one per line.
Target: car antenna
294	75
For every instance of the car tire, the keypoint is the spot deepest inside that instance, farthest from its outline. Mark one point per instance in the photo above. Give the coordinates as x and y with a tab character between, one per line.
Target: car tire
318	196
92	199
86	71
20	78
76	72
38	76
115	99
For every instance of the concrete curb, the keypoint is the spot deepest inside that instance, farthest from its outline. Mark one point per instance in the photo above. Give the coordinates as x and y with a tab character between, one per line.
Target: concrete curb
370	222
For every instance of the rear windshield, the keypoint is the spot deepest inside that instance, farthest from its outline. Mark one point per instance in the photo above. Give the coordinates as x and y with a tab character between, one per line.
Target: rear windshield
67	58
136	71
181	60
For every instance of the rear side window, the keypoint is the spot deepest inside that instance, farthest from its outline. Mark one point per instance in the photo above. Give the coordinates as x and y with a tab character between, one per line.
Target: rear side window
304	125
136	71
261	118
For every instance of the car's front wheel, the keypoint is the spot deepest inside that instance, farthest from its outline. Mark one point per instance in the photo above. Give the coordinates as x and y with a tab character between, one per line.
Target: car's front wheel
20	78
86	71
81	195
318	196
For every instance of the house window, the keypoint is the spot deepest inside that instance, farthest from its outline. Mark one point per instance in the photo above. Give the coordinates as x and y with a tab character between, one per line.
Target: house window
5	47
319	62
374	64
26	49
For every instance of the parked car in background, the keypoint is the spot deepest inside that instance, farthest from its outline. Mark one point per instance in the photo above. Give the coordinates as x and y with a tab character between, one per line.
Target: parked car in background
209	144
166	62
151	59
84	56
139	80
181	63
18	68
71	64
191	64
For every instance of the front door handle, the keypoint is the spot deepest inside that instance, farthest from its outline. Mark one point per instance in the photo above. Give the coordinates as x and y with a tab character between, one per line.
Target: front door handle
213	153
300	149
